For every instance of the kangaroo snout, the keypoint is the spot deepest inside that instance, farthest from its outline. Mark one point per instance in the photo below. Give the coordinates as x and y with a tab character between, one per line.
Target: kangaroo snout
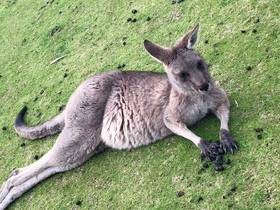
205	87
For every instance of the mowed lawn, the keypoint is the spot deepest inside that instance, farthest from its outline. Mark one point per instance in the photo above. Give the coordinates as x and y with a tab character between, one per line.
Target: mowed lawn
239	39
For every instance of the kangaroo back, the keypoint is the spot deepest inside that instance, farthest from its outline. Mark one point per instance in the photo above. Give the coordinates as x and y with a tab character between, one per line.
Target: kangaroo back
47	128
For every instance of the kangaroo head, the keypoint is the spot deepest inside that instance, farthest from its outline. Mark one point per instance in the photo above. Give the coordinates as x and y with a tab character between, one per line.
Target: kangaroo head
186	69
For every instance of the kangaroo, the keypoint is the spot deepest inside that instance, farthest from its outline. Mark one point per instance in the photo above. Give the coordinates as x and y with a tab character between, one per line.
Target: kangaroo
127	109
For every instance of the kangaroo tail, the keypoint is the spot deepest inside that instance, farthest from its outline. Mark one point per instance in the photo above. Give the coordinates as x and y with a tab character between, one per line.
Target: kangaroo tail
47	128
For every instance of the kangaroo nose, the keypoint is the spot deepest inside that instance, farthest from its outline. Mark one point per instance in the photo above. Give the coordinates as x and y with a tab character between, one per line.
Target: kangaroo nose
204	87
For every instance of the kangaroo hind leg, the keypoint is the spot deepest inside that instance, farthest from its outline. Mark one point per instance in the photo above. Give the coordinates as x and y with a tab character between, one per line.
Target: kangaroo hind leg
69	151
21	180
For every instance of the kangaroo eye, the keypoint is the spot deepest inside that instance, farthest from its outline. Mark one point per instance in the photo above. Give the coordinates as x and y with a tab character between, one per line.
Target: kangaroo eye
183	75
180	74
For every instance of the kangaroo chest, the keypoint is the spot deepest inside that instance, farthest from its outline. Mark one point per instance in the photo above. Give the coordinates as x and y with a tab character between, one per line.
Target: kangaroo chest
192	109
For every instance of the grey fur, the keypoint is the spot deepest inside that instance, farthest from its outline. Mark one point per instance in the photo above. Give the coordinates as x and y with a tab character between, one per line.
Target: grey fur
124	110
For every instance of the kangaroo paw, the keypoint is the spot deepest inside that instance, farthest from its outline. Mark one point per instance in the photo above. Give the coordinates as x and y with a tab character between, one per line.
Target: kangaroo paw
205	152
227	142
210	150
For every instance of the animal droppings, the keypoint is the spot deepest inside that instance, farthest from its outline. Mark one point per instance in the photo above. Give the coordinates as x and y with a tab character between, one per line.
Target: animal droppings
133	20
36	157
216	153
173	2
257	20
22	144
124	43
266	49
259	136
254	30
180	193
227	161
38	114
219	157
148	19
78	203
218	167
35	98
233	189
220	162
4	128
128	19
258	130
41	92
134	11
59	108
229	193
199	199
55	30
248	68
243	31
65	75
119	66
205	165
206	41
179	1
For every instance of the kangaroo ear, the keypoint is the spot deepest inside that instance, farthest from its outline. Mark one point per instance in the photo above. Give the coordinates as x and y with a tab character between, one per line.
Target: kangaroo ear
190	39
161	54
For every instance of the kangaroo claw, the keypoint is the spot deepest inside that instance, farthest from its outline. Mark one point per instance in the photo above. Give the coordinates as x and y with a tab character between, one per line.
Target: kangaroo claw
227	142
209	150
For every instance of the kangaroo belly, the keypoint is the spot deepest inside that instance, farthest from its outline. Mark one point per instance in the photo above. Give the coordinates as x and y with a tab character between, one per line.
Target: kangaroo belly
126	129
131	123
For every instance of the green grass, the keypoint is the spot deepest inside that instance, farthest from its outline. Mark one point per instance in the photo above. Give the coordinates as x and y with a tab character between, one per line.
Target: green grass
90	34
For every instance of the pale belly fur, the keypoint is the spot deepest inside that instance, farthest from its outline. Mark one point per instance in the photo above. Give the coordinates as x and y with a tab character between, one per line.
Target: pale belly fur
127	125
